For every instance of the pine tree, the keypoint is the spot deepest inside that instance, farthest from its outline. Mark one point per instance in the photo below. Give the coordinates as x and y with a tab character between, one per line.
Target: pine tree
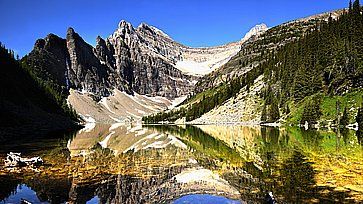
301	84
274	113
344	121
356	7
264	114
312	111
359	118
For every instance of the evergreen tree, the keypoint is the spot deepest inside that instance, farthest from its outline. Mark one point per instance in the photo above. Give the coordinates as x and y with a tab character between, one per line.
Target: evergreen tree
344	121
359	118
264	114
274	113
312	111
356	7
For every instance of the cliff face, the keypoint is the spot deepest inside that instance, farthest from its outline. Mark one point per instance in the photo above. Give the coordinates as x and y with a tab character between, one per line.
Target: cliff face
138	62
72	63
143	60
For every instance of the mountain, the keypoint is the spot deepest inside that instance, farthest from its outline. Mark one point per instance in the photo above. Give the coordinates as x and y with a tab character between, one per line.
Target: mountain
293	72
130	62
253	52
26	105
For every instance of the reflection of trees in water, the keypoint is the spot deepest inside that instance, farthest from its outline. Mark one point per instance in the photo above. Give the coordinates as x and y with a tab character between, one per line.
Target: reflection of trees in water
54	190
208	149
344	133
312	138
297	179
8	186
292	181
270	135
286	171
359	135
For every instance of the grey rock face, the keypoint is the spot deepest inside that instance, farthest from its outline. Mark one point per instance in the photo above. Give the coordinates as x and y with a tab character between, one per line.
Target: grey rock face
50	55
115	63
142	59
152	72
85	70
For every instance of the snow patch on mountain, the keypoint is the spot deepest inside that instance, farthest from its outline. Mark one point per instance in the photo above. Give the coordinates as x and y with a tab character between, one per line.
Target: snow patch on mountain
197	61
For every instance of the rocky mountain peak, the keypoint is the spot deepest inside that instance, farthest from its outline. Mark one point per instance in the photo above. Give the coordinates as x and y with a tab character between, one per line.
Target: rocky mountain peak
255	31
143	27
70	31
152	30
72	35
39	44
125	26
142	59
100	40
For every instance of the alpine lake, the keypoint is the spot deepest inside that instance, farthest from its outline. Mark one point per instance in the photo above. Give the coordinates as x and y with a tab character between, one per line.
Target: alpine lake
114	163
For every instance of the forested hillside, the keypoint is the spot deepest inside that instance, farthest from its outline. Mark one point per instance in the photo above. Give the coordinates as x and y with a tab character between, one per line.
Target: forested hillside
326	61
27	104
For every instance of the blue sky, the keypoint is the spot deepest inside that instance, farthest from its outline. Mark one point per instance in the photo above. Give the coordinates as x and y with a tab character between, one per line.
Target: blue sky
191	22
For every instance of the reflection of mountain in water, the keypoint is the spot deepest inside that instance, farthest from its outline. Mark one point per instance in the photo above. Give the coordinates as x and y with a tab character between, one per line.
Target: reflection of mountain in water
135	164
120	139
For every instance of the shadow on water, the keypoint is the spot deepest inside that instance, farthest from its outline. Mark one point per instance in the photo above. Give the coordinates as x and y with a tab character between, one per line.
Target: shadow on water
36	143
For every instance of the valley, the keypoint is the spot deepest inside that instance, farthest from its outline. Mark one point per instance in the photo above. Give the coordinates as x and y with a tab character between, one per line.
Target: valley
137	116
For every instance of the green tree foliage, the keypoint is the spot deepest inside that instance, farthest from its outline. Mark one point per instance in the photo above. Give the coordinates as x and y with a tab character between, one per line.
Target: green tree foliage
312	111
287	109
273	111
359	120
52	89
344	121
264	114
356	8
328	59
27	89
